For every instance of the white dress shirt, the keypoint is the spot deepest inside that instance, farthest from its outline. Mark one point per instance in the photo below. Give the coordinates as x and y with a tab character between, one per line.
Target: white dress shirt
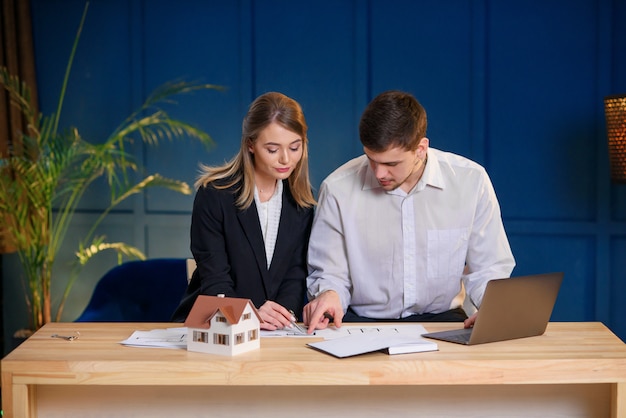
393	254
269	217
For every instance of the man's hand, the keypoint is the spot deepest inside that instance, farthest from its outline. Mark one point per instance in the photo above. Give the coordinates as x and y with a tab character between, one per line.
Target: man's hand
317	312
469	322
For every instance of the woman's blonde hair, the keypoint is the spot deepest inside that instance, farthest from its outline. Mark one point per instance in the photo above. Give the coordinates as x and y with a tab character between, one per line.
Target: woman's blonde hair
267	108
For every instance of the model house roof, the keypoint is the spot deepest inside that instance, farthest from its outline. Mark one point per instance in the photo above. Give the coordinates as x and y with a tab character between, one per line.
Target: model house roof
205	307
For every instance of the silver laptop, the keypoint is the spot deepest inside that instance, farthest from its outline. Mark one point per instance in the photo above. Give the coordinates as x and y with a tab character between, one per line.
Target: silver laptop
511	308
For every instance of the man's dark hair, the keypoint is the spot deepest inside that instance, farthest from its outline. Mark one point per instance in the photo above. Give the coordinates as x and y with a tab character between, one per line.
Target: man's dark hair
393	119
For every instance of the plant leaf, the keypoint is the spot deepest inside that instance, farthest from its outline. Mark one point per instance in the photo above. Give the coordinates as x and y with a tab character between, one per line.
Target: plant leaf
84	254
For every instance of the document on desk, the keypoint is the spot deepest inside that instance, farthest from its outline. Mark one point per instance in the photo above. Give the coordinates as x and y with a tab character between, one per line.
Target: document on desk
350	341
160	338
286	332
334	332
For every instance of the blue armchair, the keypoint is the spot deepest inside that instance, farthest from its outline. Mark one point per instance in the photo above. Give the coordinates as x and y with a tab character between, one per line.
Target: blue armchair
138	291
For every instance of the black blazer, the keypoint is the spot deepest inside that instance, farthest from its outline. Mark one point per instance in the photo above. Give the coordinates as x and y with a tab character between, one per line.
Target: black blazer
227	244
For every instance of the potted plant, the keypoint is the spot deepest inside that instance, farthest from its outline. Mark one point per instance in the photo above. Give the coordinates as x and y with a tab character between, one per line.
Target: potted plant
47	171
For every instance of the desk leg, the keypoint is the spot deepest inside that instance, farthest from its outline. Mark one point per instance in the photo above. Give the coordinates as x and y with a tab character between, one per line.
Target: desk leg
7	399
18	400
618	399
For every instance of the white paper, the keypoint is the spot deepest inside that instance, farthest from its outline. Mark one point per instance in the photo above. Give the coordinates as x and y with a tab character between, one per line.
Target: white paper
393	328
285	332
350	341
161	338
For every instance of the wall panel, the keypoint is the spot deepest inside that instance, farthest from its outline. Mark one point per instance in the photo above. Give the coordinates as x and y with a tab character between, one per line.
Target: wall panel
572	254
195	41
425	48
542	96
170	239
98	92
310	55
618	286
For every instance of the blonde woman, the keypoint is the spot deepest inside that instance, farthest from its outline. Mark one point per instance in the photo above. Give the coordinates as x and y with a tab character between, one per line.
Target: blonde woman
252	216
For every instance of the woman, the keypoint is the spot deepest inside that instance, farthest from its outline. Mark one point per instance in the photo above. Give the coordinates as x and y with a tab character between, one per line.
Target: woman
252	217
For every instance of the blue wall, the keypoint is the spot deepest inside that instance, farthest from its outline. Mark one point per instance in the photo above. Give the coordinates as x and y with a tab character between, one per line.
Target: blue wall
515	85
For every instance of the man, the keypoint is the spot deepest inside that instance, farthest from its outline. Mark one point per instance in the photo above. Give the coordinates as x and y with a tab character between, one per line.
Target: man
398	229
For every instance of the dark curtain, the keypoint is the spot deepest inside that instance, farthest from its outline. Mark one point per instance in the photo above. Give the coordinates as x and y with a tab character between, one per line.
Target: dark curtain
17	55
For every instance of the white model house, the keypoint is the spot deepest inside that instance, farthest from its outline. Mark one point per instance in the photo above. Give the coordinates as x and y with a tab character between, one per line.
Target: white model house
221	325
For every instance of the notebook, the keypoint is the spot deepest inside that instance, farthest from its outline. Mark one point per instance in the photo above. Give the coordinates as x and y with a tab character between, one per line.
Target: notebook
511	308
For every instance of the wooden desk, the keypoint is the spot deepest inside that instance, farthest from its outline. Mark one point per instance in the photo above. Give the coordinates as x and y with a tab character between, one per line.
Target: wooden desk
575	369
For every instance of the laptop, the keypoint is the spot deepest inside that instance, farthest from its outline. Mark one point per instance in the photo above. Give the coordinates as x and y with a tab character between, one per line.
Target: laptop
512	308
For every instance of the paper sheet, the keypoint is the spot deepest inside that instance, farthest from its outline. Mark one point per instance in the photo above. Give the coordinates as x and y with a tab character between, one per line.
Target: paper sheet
161	338
350	341
393	328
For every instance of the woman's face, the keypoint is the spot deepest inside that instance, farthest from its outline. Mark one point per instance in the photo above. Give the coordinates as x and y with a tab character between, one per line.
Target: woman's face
276	151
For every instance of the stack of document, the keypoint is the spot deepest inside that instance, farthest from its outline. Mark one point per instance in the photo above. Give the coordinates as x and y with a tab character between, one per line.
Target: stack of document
391	339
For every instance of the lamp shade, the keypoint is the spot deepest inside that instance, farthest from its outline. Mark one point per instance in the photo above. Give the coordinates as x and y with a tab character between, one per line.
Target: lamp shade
615	113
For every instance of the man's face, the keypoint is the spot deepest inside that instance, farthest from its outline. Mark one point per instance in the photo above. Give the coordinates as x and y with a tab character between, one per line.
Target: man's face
396	167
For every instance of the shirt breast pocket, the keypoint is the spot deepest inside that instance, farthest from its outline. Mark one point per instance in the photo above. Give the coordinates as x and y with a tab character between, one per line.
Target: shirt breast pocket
447	249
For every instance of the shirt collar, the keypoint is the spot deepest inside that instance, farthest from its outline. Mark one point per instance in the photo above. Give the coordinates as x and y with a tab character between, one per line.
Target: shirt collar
432	175
278	193
369	179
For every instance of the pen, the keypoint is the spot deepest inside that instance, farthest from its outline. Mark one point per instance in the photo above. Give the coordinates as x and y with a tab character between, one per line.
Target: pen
294	324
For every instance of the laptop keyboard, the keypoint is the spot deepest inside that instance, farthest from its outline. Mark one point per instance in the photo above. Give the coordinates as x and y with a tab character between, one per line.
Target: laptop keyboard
462	337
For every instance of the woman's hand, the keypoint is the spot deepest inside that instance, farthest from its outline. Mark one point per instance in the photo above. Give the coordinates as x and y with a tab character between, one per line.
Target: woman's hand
275	316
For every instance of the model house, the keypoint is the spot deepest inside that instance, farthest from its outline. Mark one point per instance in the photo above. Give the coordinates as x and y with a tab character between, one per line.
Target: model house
221	325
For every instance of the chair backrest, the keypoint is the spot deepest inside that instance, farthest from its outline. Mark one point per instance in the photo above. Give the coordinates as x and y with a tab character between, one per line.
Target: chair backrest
138	291
191	267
